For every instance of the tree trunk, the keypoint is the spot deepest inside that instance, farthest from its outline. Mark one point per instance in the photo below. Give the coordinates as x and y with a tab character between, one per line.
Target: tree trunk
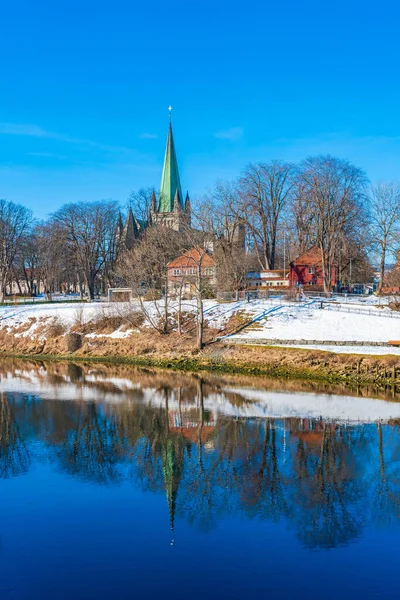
165	325
80	284
19	285
200	321
3	280
91	289
325	271
381	271
27	281
180	312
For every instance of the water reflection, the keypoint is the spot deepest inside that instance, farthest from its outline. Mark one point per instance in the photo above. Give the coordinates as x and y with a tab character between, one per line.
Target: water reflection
215	449
14	455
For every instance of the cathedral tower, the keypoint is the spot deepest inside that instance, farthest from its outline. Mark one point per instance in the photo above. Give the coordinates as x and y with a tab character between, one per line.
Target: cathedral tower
171	210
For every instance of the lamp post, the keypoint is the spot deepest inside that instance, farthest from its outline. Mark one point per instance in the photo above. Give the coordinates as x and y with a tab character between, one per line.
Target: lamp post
350	275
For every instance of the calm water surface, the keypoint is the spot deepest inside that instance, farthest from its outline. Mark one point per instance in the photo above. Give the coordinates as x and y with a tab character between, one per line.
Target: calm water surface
119	483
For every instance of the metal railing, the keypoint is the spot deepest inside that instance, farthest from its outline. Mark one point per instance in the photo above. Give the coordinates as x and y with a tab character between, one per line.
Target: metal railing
362	311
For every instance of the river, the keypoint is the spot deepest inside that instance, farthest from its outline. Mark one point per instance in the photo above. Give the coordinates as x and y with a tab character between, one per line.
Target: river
123	483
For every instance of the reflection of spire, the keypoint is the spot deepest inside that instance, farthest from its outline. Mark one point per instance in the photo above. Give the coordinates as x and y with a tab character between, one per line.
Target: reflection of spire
172	458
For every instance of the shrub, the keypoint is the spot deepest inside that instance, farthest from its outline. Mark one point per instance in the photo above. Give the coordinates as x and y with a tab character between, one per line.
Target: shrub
55	329
79	316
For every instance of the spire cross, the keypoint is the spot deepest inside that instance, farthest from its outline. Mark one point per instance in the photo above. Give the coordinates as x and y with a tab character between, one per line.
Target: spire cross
170	112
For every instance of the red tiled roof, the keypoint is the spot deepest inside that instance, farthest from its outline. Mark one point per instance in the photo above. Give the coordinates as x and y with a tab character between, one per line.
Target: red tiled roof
192	258
313	256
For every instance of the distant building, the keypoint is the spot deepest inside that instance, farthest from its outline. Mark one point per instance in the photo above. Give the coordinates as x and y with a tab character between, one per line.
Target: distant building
307	270
267	279
129	232
183	271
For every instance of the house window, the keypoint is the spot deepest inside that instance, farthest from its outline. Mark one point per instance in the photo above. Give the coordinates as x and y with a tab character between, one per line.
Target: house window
177	271
311	270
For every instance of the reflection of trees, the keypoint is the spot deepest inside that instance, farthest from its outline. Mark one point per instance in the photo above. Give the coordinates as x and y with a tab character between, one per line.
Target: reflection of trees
208	482
386	500
327	481
93	448
326	491
264	486
14	455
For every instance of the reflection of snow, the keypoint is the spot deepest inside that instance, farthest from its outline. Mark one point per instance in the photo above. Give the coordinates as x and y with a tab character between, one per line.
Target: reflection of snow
248	403
343	349
328	407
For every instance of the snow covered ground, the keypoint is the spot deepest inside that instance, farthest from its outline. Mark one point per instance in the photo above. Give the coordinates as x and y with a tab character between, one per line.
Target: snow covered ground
307	321
275	319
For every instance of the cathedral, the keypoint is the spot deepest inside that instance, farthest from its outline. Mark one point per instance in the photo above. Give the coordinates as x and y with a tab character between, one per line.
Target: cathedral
170	209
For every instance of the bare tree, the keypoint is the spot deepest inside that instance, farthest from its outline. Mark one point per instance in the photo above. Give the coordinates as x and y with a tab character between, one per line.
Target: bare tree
89	230
51	255
139	201
353	259
28	261
220	218
385	222
266	189
15	223
333	198
144	269
197	265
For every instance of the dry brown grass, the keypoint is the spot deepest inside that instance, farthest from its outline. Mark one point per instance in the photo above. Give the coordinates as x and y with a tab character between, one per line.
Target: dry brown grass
107	321
55	329
25	326
236	321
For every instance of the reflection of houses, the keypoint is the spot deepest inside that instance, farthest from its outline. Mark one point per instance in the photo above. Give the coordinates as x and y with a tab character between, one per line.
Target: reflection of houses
271	279
186	424
189	422
307	270
185	271
310	431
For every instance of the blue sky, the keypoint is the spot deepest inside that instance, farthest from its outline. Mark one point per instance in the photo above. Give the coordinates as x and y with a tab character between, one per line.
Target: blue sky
85	87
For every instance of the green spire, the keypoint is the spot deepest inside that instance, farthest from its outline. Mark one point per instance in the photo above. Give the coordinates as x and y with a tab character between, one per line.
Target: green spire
170	183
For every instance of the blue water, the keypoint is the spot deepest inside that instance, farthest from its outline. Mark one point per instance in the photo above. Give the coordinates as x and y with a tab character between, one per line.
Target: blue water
141	485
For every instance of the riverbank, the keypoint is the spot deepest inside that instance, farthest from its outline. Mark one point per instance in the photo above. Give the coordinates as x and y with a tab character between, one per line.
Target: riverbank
150	349
118	334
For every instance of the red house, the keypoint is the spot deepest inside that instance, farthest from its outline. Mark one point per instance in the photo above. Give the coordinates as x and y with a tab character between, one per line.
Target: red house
182	271
307	270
